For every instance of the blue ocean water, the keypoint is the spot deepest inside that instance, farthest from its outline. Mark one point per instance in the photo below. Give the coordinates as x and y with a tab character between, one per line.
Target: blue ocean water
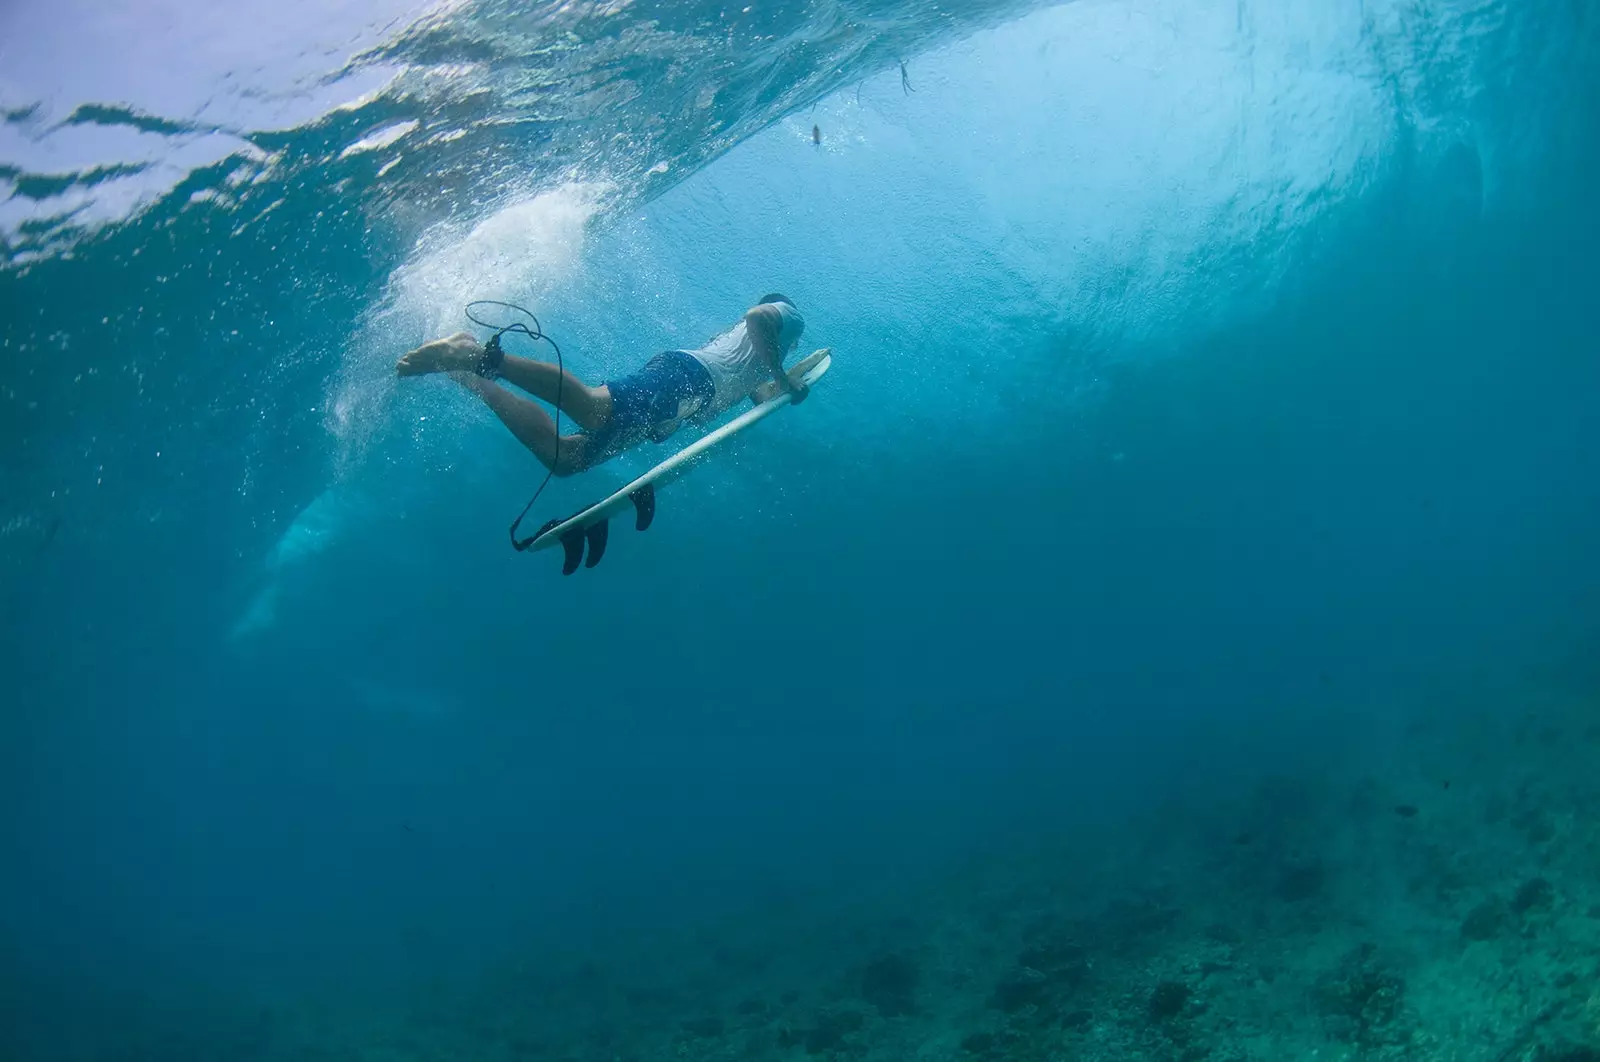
1168	632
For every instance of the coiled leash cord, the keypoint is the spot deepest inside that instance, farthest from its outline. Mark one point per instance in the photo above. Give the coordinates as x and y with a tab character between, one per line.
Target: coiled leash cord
495	355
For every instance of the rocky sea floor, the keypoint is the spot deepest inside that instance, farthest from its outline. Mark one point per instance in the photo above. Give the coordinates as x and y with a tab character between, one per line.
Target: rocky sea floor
1433	897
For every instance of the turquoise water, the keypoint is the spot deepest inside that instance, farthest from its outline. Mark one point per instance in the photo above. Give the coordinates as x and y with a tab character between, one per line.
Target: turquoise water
1168	632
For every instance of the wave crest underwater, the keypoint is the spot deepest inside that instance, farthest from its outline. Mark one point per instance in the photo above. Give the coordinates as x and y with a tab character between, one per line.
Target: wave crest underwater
1183	350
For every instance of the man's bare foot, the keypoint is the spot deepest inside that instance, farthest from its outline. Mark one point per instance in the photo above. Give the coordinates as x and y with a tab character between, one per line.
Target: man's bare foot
458	353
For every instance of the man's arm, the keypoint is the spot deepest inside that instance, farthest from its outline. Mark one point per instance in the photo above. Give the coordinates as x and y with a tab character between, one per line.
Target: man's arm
764	324
765	393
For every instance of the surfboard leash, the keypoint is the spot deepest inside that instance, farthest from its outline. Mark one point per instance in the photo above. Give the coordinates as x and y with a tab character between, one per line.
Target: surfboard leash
496	355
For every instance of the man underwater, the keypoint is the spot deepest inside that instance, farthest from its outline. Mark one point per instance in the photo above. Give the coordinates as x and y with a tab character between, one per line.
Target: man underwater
651	403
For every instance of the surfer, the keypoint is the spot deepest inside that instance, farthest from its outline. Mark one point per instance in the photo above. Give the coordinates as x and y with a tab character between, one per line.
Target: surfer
745	361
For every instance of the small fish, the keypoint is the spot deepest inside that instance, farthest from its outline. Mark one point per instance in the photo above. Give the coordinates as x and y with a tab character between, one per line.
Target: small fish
816	134
1244	838
1446	783
1405	811
406	826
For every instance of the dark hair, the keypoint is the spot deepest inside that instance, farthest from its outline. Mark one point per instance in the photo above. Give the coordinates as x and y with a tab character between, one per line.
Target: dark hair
775	297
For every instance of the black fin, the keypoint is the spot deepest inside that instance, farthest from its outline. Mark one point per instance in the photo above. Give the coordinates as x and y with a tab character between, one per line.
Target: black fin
572	543
597	542
644	504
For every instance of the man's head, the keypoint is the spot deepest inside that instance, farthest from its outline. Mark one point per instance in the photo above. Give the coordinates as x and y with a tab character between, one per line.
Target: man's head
775	297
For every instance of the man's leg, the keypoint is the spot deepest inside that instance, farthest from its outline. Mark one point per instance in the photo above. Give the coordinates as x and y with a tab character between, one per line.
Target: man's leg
589	406
532	426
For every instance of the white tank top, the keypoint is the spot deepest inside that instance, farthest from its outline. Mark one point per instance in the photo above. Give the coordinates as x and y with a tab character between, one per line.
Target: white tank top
733	364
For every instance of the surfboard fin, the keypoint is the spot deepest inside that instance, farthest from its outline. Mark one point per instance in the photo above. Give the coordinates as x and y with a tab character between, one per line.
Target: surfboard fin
644	505
572	546
597	535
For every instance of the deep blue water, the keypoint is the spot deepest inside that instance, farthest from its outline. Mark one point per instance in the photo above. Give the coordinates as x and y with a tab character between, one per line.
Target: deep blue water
1214	394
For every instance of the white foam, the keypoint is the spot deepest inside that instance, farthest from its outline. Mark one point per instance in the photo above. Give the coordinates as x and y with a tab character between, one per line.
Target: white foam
516	253
519	254
317	527
381	138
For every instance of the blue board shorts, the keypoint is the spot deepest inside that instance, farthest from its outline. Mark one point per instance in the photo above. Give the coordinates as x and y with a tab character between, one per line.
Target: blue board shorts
650	403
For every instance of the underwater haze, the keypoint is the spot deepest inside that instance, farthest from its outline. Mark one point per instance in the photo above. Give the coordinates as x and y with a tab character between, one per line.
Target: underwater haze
1168	632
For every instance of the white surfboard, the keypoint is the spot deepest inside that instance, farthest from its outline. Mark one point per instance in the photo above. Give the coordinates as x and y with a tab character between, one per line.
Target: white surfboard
588	527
